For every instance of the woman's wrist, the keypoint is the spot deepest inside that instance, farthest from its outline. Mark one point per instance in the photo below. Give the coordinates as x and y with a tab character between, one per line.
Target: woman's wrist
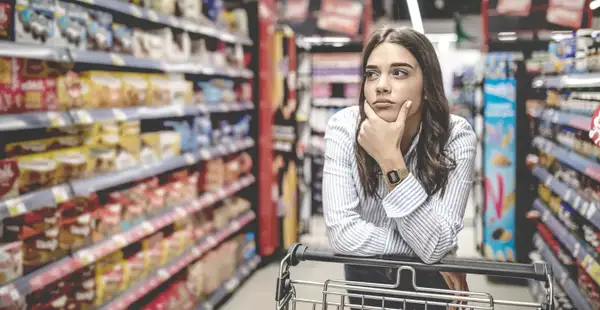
394	161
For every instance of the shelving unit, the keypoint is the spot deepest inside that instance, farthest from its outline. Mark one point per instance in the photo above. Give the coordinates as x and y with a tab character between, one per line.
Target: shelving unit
198	148
567	172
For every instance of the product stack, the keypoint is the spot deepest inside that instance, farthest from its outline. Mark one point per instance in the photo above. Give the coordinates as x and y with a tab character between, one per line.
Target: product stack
336	85
125	154
566	166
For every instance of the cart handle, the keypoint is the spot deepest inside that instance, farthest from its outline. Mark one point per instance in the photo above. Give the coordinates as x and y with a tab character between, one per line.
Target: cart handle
537	271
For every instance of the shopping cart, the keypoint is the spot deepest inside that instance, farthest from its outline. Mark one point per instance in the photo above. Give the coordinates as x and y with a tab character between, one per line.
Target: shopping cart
334	292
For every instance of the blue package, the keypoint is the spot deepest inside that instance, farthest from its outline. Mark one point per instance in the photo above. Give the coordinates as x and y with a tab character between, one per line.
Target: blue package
241	128
202	131
226	132
187	142
210	92
212	9
34	21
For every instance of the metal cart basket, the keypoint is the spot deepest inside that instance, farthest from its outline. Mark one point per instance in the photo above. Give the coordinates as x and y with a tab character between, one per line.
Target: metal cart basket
335	292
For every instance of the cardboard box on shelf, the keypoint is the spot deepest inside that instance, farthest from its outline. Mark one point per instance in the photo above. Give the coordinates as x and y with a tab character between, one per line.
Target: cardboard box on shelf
71	25
99	30
34	21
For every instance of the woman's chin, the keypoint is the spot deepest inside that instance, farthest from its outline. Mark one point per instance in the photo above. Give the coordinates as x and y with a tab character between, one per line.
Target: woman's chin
388	115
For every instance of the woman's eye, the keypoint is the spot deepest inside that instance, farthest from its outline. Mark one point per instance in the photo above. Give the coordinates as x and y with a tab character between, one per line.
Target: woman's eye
399	72
371	74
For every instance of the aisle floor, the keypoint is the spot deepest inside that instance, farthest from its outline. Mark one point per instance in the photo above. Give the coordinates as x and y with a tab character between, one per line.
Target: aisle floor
258	292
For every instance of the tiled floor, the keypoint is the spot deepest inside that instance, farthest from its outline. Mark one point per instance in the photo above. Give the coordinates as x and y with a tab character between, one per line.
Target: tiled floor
258	293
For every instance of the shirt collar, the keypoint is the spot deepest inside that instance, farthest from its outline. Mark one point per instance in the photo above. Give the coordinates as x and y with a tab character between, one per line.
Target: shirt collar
415	141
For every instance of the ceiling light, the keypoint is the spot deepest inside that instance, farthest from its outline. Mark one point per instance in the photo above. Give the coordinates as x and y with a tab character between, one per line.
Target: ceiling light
415	15
594	4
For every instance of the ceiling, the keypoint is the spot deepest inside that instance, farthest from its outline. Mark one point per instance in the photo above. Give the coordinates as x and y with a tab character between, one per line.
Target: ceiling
430	9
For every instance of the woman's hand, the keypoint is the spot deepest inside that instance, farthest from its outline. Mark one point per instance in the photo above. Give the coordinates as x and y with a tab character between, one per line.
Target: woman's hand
380	138
456	281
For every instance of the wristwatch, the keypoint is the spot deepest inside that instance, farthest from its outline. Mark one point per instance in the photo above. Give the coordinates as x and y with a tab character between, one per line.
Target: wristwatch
396	176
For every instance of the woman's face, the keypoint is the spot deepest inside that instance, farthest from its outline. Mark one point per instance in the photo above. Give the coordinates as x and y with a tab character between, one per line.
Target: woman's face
392	76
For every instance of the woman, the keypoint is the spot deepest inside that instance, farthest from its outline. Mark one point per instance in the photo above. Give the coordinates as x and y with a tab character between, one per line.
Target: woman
398	167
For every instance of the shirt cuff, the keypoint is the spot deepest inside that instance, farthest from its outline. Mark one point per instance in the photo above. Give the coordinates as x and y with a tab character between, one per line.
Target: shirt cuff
405	198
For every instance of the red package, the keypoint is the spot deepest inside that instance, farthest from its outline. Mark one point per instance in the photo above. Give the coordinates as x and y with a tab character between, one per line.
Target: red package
11	99
5	20
9	174
39	94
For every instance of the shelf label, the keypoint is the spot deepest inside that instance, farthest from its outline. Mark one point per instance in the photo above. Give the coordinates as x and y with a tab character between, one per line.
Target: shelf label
56	119
204	154
15	206
117	60
152	15
120	241
119	115
147	227
163	274
60	194
189	158
135	11
84	117
174	21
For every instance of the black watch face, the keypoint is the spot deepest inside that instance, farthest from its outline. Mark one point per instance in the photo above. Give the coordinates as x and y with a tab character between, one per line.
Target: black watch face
393	177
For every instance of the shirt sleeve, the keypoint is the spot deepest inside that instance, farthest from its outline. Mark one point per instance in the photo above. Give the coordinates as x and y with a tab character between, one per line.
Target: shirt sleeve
430	225
348	233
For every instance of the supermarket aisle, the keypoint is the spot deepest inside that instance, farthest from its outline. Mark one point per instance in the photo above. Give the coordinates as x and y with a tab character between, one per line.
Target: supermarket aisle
262	284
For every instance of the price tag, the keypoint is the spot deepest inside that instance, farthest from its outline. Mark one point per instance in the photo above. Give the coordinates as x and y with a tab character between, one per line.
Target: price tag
204	154
56	119
196	252
555	117
189	158
14	294
232	284
208	70
86	258
548	181
181	212
567	196
119	115
577	202
84	117
591	210
15	206
117	60
89	1
224	107
576	248
545	215
135	11
163	274
174	22
120	241
222	149
152	15
147	227
60	194
208	306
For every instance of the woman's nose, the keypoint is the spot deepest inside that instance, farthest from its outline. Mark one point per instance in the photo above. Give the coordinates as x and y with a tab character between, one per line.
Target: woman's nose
383	86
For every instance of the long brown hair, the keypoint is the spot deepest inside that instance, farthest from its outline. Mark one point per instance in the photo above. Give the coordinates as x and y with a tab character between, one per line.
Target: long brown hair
433	163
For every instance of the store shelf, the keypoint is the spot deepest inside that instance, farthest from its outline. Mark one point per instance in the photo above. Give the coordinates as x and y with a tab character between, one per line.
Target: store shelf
567	81
577	121
334	102
226	148
65	266
34	200
225	107
120	60
34	51
169	20
33	120
84	187
85	116
568	157
572	244
561	275
241	274
587	208
144	287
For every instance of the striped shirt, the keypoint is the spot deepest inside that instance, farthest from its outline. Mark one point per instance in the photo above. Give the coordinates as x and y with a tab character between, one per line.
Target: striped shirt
406	220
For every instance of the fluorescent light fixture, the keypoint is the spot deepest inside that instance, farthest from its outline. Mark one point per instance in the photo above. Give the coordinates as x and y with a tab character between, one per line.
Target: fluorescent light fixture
595	4
439	37
507	33
415	15
320	40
